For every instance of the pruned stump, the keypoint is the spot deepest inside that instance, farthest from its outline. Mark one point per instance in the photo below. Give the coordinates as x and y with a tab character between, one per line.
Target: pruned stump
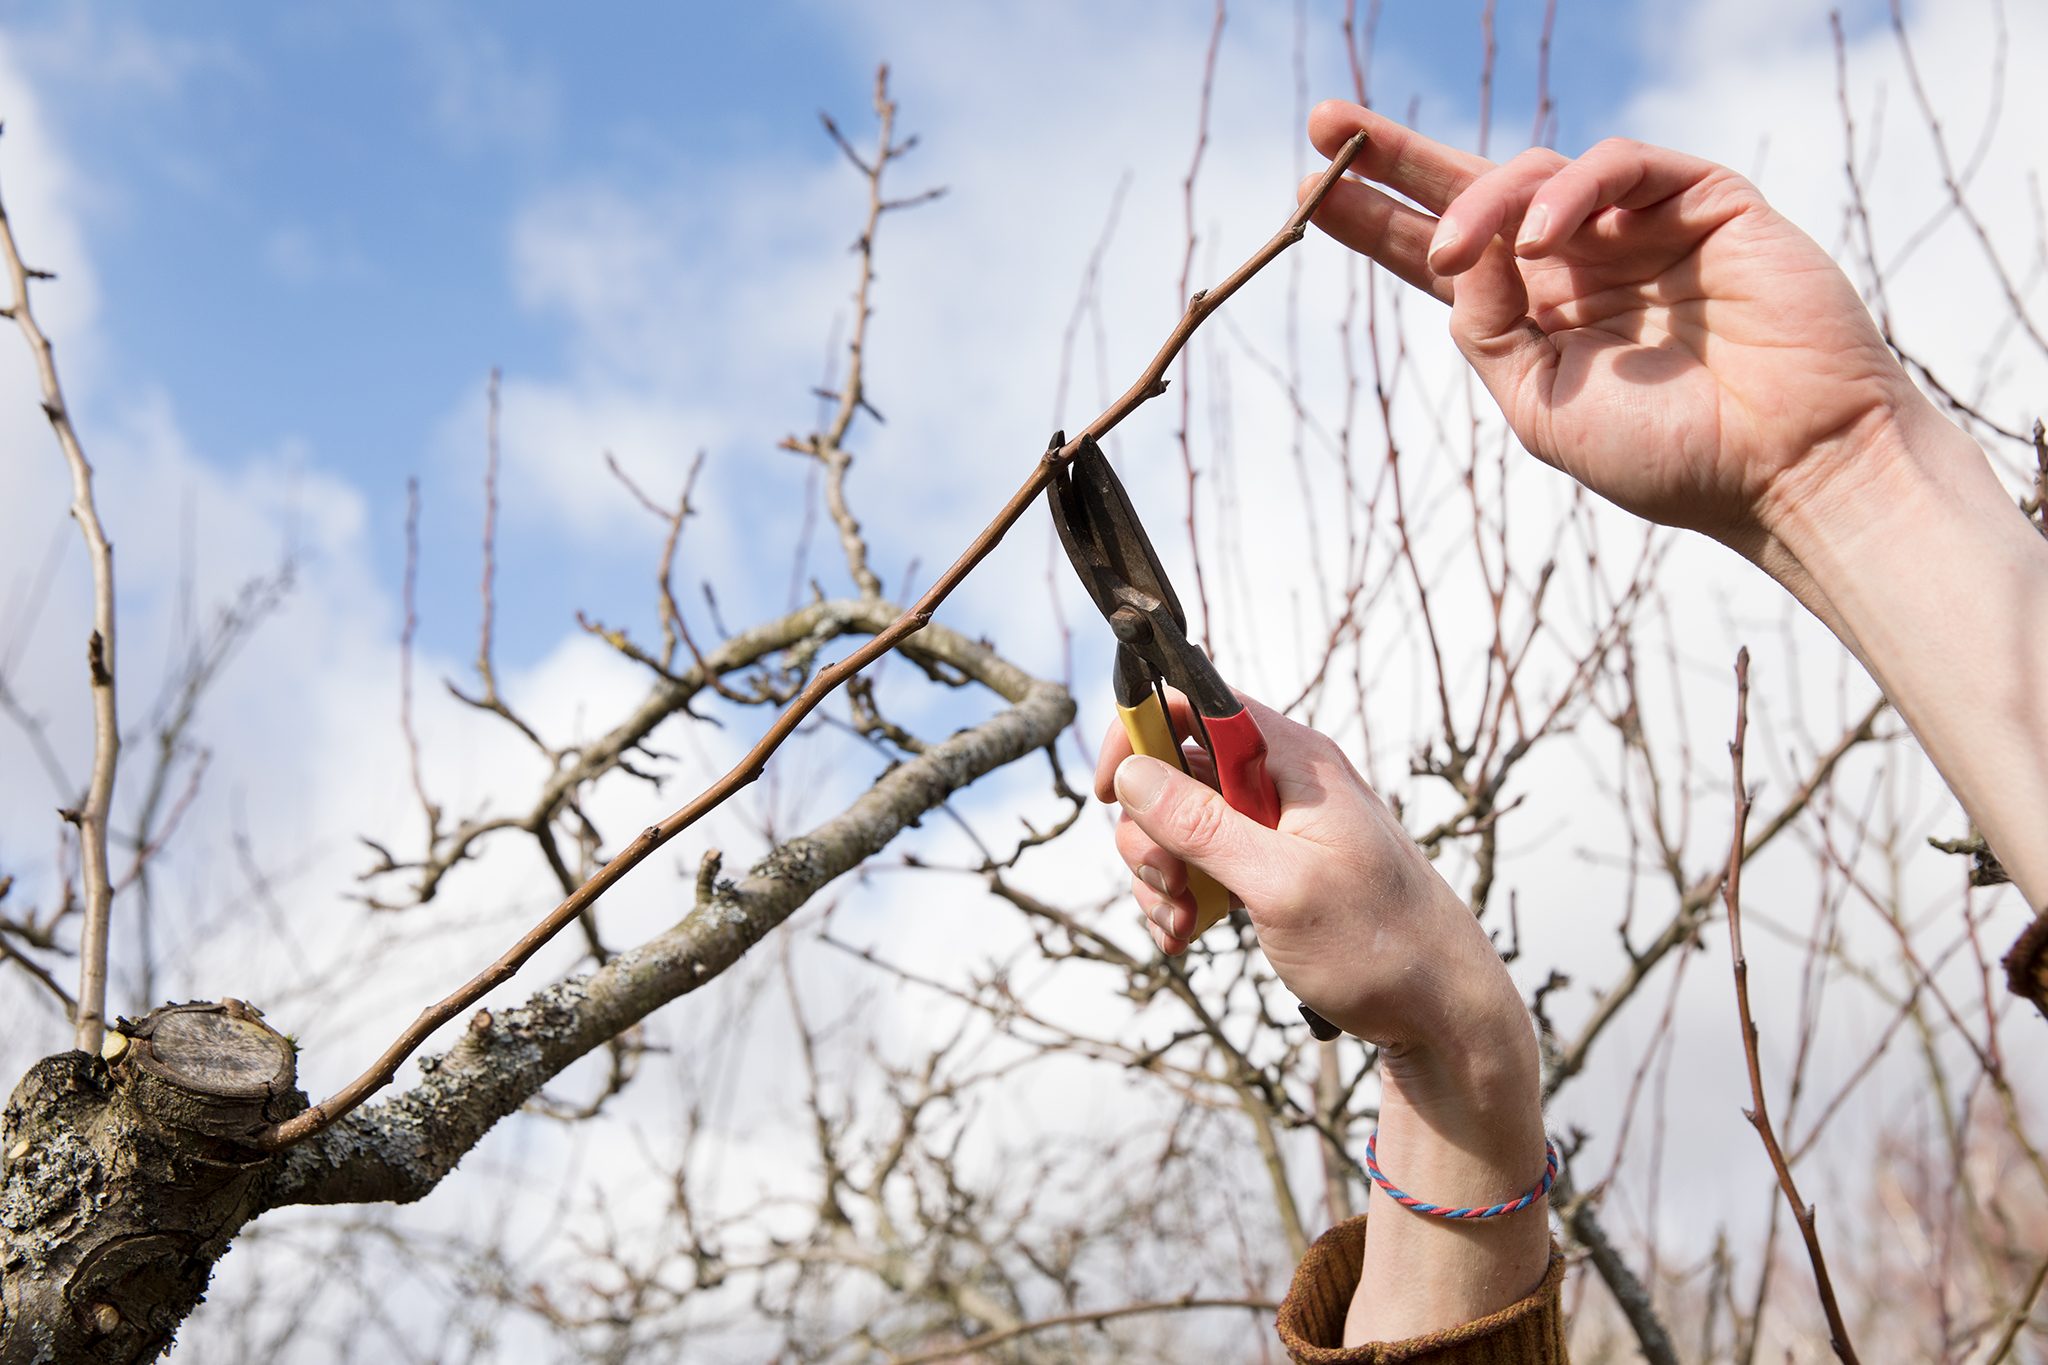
213	1069
124	1177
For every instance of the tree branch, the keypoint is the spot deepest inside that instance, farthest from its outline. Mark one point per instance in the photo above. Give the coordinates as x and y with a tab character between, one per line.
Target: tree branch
90	816
961	1350
400	1149
1760	1115
1694	904
1148	385
1575	1211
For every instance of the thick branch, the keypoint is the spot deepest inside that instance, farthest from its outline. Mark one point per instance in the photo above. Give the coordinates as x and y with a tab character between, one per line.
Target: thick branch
400	1149
1148	385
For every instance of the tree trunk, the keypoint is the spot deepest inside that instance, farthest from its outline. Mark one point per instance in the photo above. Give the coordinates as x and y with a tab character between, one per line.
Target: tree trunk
124	1180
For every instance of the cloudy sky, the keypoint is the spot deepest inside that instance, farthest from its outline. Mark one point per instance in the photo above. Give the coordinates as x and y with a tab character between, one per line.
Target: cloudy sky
292	243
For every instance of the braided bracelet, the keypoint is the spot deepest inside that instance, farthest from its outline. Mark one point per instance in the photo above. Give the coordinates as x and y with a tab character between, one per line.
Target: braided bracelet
1409	1201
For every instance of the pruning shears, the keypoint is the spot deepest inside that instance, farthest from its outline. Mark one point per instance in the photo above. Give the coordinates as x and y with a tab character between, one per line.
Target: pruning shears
1110	551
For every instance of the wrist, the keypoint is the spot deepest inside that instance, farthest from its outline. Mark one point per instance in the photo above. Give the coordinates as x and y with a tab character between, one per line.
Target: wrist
1460	1124
1849	501
1461	1115
1465	1111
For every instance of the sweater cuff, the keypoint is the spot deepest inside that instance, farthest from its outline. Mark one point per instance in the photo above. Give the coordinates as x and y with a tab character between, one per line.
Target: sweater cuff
1311	1322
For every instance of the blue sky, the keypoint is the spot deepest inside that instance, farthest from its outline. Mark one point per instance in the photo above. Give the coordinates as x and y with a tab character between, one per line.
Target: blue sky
302	219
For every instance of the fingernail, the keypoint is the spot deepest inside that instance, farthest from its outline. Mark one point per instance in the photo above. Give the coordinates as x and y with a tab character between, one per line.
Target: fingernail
1446	238
1139	781
1155	879
1533	226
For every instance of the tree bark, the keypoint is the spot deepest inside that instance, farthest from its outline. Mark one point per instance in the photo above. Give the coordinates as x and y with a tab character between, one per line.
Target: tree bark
124	1179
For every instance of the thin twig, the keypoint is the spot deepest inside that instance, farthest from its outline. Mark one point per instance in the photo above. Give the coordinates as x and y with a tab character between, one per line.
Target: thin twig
484	667
36	970
1760	1115
1489	51
1358	44
1696	901
1576	1212
828	446
1541	132
407	632
1187	269
1149	384
487	698
975	1345
2022	1312
90	816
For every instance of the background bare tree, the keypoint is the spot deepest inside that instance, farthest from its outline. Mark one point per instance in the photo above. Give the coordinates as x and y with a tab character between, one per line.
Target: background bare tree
1087	1152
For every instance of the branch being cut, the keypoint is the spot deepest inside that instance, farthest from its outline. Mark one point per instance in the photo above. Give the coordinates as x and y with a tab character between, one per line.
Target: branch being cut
90	815
1148	385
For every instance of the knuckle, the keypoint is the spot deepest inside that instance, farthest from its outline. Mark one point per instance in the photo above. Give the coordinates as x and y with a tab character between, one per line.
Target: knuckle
1133	845
1535	159
1196	823
1721	185
1614	147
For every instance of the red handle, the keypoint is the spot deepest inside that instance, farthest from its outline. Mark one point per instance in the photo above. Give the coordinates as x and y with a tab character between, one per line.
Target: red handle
1240	755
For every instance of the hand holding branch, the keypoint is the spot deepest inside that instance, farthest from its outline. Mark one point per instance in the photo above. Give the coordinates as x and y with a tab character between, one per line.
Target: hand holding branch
1660	333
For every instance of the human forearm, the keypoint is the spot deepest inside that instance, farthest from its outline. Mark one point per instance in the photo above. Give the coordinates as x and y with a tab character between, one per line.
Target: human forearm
1362	928
1460	1121
1939	584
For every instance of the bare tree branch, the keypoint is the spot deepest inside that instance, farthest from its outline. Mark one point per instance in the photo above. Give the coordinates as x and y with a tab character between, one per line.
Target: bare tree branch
1759	1114
90	815
401	1148
828	446
975	1345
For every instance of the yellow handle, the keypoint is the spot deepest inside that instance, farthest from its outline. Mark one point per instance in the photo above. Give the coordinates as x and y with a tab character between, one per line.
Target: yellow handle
1151	736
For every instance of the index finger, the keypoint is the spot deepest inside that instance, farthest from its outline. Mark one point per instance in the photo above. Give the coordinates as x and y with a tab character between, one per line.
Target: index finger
1116	747
1424	169
1180	720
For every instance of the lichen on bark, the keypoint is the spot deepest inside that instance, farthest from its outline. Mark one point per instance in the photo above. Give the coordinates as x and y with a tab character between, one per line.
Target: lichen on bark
125	1180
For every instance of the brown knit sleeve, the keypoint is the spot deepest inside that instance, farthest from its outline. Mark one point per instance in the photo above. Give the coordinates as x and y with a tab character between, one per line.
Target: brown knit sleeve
1529	1332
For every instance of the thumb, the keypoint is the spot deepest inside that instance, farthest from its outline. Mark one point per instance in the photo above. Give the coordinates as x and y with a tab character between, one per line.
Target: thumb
1192	821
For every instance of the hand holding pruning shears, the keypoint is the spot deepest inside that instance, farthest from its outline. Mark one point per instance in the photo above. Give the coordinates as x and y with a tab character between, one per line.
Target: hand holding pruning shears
1346	906
1350	913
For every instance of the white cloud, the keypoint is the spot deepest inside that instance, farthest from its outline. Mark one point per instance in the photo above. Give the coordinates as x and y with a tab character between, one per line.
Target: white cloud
476	91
